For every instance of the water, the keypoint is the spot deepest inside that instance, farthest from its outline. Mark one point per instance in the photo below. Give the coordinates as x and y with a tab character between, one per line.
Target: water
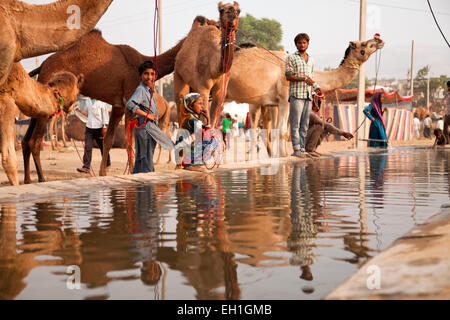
233	235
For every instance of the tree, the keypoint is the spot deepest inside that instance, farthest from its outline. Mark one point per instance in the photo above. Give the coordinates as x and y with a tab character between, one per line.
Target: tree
420	88
267	32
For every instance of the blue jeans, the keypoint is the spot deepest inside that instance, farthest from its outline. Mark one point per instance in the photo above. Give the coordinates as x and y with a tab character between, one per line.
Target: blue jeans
299	111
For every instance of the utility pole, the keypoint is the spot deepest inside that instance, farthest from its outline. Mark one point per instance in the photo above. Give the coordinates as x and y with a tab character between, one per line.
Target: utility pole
360	134
428	90
161	86
412	69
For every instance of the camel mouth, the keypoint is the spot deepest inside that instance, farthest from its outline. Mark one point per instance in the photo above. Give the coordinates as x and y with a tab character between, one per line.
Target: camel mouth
380	43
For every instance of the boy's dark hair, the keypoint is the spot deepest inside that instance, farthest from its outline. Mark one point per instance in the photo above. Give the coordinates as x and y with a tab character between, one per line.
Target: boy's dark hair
448	83
301	36
148	64
437	131
228	116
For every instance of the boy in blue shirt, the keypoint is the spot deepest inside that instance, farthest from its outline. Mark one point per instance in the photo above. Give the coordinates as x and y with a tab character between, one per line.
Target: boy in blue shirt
140	102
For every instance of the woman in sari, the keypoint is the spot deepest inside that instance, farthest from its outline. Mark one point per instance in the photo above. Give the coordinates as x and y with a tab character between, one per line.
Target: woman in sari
374	112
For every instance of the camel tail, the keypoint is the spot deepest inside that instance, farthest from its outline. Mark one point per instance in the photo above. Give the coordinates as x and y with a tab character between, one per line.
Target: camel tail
34	72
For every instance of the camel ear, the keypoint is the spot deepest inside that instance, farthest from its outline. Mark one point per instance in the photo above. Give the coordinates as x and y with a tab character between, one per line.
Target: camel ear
80	80
352	45
236	5
220	5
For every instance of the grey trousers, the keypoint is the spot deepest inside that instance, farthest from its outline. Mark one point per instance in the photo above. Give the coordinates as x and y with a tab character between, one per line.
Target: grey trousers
145	147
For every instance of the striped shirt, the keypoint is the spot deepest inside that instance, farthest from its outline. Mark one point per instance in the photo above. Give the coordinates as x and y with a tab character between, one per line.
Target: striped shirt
298	67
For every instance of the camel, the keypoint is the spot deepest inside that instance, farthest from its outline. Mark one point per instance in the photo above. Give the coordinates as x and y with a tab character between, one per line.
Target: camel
203	62
111	76
34	100
31	30
257	77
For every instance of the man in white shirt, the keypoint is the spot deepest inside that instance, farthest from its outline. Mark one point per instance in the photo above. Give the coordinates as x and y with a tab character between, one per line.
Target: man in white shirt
98	119
447	112
416	125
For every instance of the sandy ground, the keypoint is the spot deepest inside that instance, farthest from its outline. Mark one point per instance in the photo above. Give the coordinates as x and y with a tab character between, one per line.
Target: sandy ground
62	164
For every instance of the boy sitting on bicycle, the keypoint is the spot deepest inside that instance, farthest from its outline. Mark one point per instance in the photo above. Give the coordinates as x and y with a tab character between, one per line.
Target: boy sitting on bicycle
196	139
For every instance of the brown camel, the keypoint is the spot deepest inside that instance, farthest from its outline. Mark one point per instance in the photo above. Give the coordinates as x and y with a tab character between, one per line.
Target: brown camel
270	87
31	30
172	119
111	76
34	100
205	58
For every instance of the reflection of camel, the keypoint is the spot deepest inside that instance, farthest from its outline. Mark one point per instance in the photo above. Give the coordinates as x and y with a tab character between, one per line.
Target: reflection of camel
48	237
32	30
34	100
111	76
206	53
270	87
203	252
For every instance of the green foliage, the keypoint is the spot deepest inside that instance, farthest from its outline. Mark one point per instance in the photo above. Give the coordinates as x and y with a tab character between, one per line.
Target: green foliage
420	88
266	32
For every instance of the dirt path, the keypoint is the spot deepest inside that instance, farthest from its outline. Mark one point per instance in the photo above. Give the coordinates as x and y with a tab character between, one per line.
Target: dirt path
62	164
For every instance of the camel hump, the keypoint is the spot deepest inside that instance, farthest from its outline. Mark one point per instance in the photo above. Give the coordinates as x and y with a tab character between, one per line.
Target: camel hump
35	72
245	45
203	21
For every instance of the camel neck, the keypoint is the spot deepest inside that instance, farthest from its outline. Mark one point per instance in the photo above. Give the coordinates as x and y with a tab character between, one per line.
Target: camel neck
336	78
227	50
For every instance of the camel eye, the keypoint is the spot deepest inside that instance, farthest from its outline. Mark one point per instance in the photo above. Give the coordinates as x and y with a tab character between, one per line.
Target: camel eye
363	52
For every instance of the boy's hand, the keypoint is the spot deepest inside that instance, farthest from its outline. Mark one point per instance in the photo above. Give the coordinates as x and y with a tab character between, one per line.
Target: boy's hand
309	81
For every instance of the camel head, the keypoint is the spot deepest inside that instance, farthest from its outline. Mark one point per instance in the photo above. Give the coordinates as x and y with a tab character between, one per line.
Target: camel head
359	51
229	15
67	86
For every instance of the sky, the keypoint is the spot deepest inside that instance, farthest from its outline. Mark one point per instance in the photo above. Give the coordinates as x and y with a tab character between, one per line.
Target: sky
331	24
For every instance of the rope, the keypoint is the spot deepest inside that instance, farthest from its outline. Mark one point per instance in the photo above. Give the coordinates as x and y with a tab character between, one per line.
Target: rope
91	170
377	69
437	24
134	123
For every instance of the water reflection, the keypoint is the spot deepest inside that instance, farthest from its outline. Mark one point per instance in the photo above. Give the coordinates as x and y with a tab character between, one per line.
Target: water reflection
233	235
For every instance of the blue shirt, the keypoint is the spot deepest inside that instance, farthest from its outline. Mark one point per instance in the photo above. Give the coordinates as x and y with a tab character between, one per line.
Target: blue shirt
142	99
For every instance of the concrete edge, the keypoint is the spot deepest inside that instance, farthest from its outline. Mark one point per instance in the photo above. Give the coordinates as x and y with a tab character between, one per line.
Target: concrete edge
415	266
29	192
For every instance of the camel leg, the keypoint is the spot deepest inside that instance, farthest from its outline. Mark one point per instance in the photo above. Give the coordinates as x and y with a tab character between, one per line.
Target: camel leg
255	114
130	142
9	158
31	144
35	146
116	115
52	132
26	151
267	125
282	125
63	130
180	89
